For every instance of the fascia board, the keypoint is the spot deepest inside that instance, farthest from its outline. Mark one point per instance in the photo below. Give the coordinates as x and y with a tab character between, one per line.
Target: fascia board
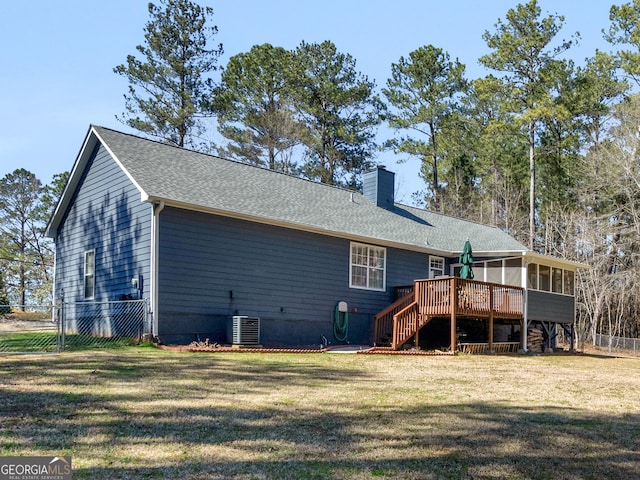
86	150
143	194
554	261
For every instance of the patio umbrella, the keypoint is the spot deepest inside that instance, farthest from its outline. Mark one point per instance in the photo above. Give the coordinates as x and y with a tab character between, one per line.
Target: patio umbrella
466	259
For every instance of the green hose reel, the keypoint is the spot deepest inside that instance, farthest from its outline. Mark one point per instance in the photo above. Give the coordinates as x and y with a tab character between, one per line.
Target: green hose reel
341	321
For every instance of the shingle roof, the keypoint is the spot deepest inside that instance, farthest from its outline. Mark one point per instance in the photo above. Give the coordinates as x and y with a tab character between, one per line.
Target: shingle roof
204	182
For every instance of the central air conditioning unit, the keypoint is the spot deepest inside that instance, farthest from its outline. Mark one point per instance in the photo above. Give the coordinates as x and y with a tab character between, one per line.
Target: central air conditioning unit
246	330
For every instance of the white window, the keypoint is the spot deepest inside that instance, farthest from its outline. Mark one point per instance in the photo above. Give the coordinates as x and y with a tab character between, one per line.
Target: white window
436	267
89	274
367	267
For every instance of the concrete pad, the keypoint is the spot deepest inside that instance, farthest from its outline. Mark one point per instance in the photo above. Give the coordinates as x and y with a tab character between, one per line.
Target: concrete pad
347	348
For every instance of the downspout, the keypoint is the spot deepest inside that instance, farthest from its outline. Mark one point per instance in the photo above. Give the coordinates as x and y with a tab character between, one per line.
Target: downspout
155	247
53	284
525	306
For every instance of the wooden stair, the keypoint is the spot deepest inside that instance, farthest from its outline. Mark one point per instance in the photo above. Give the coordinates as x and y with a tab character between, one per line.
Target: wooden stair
407	323
399	322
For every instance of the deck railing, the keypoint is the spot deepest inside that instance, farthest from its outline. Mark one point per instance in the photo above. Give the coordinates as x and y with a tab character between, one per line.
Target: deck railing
439	296
383	329
405	324
444	297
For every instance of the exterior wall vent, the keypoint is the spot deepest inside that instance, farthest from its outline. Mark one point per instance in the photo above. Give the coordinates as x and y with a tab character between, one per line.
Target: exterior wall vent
246	330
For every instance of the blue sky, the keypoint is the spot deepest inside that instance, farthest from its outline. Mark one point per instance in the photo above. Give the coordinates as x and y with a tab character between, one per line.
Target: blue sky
57	58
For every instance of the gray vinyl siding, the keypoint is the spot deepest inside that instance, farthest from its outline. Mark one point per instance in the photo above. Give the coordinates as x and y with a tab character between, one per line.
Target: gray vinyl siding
550	307
212	268
106	215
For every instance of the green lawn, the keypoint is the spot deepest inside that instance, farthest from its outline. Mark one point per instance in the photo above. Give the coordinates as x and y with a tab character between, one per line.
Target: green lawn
38	341
146	413
46	341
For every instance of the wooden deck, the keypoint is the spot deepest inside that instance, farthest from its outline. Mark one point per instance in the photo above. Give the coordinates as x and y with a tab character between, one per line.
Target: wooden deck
447	297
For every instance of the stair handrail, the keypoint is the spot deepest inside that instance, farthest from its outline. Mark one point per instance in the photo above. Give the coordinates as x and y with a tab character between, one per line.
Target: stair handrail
385	317
398	340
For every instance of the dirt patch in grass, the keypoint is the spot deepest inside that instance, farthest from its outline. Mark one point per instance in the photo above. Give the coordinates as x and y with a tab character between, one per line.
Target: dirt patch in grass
146	413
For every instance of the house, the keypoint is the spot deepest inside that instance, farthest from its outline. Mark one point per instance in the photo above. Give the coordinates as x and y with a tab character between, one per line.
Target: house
205	240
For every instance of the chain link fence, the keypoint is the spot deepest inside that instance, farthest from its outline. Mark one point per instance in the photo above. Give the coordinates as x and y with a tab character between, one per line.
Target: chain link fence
29	329
104	324
73	326
617	343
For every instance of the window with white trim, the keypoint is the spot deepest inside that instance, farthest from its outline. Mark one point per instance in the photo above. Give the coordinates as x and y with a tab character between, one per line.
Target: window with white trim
89	274
367	267
436	267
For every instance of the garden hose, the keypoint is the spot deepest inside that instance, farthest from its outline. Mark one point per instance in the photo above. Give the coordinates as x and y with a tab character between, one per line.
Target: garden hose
340	324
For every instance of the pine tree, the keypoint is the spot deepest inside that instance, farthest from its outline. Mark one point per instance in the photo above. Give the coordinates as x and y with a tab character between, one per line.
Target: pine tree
4	301
255	110
422	96
169	88
624	31
339	112
522	51
21	229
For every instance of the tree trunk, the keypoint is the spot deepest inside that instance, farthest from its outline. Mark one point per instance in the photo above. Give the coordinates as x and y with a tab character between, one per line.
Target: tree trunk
434	167
595	320
532	185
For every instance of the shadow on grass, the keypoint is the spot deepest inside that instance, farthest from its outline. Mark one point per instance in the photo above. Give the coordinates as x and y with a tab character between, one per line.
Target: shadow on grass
494	442
145	416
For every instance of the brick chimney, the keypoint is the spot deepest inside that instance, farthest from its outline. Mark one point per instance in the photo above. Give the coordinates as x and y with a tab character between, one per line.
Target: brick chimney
378	186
